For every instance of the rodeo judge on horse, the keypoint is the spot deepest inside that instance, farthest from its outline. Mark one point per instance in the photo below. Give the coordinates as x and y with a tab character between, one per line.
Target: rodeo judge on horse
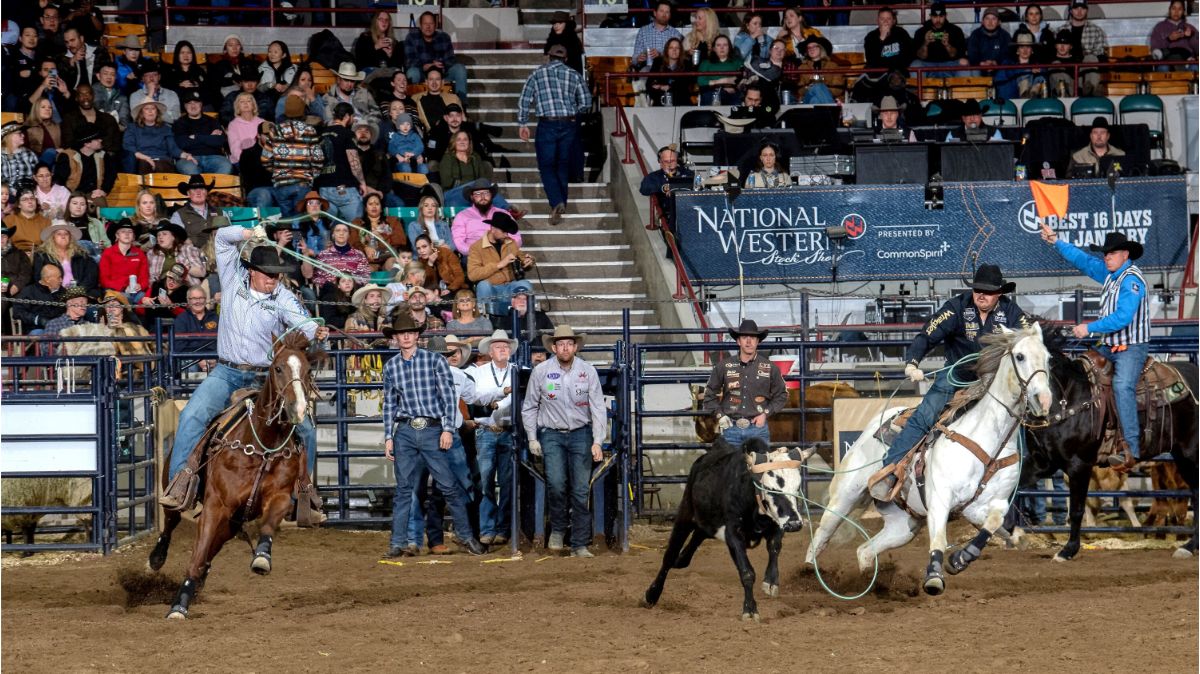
255	310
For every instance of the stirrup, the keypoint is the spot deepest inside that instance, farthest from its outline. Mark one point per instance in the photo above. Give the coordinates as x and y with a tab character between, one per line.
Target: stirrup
880	476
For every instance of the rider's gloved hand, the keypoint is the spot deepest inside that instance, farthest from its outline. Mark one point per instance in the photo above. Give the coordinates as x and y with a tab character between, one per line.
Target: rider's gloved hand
724	422
914	373
535	448
260	233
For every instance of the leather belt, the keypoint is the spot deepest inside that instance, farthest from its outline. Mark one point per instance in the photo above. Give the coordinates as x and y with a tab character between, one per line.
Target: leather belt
242	367
558	119
560	430
419	423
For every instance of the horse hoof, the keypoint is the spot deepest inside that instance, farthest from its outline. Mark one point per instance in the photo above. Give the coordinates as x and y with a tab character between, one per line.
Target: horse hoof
1059	558
770	590
177	613
747	617
261	565
1182	553
935	585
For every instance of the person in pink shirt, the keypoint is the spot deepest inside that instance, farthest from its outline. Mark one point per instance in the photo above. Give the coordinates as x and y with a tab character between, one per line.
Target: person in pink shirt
469	226
243	129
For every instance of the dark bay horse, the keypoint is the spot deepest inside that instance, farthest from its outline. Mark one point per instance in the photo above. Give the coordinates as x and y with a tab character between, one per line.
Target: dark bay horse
250	470
1071	441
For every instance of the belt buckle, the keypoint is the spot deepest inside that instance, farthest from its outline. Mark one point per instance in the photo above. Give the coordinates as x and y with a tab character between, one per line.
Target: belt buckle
418	423
742	423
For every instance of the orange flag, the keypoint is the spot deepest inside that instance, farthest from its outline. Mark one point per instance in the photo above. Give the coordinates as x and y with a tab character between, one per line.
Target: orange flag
1050	199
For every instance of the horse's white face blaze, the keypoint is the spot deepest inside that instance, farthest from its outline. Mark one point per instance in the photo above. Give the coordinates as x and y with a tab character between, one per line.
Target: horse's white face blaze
300	406
1032	361
780	495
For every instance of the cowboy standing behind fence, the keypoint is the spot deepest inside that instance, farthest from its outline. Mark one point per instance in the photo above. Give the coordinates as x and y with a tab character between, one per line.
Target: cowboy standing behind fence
742	392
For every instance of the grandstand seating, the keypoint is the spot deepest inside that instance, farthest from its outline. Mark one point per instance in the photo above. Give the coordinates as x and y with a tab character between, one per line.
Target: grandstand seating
1038	108
166	185
1146	103
414	179
1084	110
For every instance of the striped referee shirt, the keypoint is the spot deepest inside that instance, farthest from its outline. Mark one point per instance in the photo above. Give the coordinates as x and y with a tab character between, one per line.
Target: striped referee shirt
1124	302
250	320
421	386
553	90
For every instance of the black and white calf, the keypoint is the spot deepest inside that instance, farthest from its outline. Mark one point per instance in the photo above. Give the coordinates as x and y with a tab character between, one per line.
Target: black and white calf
741	495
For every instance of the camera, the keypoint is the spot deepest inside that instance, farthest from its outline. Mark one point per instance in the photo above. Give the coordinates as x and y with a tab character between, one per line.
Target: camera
518	271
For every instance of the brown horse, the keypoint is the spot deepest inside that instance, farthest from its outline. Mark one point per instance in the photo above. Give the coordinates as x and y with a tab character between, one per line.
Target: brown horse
251	466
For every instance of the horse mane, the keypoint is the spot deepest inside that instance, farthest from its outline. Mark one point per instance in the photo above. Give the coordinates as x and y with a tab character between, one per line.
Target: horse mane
996	347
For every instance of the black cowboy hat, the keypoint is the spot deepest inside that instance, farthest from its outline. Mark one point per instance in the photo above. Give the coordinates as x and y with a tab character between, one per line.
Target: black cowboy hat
816	39
168	226
8	231
970	107
402	323
748	327
502	221
117	225
479	184
268	260
430	190
194	182
989	279
248	75
87	133
1118	241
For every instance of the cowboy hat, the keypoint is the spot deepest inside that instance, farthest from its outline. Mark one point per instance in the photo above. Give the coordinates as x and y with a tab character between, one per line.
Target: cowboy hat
360	295
562	332
1024	39
748	327
75	292
11	127
735	125
502	221
970	107
558	51
403	322
8	231
129	42
87	133
989	279
888	103
816	39
497	336
479	184
347	71
312	194
248	74
114	296
560	17
118	225
369	127
167	226
162	109
1099	123
430	190
464	348
61	225
196	182
267	260
1118	241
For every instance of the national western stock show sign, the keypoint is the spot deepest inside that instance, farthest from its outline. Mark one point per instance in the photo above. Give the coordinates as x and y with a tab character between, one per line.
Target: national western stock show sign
778	236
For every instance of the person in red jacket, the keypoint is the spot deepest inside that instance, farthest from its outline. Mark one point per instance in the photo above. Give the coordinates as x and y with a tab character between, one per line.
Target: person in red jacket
123	266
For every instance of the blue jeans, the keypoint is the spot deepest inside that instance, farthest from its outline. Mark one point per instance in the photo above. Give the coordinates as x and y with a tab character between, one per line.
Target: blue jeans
208	163
568	457
736	436
818	93
496	296
416	451
553	146
958	70
261	197
344	202
210	398
413	167
426	518
494	456
1128	367
457	74
455	199
287	196
923	419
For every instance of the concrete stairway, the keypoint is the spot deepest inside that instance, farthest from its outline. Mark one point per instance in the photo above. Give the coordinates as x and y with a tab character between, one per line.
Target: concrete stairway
587	254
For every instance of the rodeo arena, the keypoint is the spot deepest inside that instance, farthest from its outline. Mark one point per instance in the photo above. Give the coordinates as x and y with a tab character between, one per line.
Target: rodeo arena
341	334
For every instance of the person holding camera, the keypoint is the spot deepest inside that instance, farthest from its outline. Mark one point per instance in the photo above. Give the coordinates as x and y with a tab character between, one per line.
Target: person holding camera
497	265
940	43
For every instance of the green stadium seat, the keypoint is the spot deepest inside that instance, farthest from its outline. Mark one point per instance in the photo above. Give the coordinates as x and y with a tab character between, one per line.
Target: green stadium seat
1037	108
994	111
1084	110
1150	104
110	213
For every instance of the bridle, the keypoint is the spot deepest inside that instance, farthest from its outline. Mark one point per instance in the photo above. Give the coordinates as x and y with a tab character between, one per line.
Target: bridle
1023	417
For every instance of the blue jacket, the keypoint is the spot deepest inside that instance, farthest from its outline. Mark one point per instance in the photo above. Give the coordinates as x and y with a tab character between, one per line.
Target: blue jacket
400	143
983	46
187	323
154	141
1130	296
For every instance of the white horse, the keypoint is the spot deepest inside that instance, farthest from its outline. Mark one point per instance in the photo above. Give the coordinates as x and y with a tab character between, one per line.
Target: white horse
1013	374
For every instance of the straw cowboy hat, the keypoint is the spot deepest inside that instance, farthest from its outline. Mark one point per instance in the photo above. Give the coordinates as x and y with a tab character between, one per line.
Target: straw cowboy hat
463	348
129	42
402	323
360	295
1118	241
563	332
64	226
162	109
347	71
748	327
497	336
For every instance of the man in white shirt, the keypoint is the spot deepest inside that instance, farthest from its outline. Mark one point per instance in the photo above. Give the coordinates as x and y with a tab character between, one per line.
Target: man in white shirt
494	441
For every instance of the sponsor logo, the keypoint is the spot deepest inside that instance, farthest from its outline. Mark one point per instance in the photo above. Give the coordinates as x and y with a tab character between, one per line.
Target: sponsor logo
855	225
553	375
1027	217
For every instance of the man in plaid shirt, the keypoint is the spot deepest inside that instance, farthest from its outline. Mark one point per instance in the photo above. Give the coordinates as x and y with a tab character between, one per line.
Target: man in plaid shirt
559	95
427	47
652	37
1091	45
293	155
419	405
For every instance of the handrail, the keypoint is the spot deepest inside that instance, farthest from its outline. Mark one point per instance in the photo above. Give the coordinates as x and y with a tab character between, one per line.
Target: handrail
272	9
923	7
682	282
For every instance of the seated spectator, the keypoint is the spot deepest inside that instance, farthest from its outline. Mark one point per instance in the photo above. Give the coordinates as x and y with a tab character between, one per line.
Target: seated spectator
1062	80
185	74
406	147
149	144
767	71
43	134
1036	26
118	312
52	88
1090	45
170	289
303	86
242	130
377	47
76	300
429	221
7	203
197	319
466	318
670	91
286	235
277	71
890	127
720	89
52	198
92	236
370	314
152	90
1021	82
200	136
109	98
988	45
417	305
813	86
1097	149
437	141
752	40
349	89
124	267
27	222
87	168
768	171
85	17
335	300
148	209
342	256
17	160
541	325
432	103
408	275
130	64
1174	38
383	226
85	118
16	271
60	248
563	31
171	247
492	261
316	226
293	155
428	48
396	91
471	223
940	43
233	67
460	166
794	32
248	84
255	179
657	184
341	182
827	18
48	290
195	216
376	165
443	270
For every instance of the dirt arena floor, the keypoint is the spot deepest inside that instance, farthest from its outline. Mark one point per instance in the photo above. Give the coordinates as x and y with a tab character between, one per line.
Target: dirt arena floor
331	605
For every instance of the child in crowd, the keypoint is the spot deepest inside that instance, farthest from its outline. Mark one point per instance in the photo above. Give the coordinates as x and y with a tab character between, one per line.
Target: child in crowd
407	147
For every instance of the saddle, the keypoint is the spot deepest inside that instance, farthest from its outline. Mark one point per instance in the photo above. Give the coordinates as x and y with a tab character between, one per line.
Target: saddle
1159	386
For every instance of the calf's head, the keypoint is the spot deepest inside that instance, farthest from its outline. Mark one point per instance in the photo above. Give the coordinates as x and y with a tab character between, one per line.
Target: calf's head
777	484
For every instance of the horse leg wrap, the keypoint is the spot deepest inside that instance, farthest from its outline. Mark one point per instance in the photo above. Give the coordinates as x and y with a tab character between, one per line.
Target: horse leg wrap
961	559
935	583
261	564
264	546
183	599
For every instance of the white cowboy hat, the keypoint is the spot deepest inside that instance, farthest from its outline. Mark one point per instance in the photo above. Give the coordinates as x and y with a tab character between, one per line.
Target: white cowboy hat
57	225
464	349
497	336
347	71
162	109
360	295
562	332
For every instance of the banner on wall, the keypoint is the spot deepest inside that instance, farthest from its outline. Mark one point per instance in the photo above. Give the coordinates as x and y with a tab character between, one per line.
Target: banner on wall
778	236
852	415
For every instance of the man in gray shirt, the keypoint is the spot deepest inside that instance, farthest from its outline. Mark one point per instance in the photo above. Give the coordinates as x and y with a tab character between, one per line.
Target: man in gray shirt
565	418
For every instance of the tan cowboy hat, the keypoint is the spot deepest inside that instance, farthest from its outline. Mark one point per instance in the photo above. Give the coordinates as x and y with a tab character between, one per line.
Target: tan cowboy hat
129	42
563	332
735	125
497	336
360	295
347	71
464	349
61	225
162	109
